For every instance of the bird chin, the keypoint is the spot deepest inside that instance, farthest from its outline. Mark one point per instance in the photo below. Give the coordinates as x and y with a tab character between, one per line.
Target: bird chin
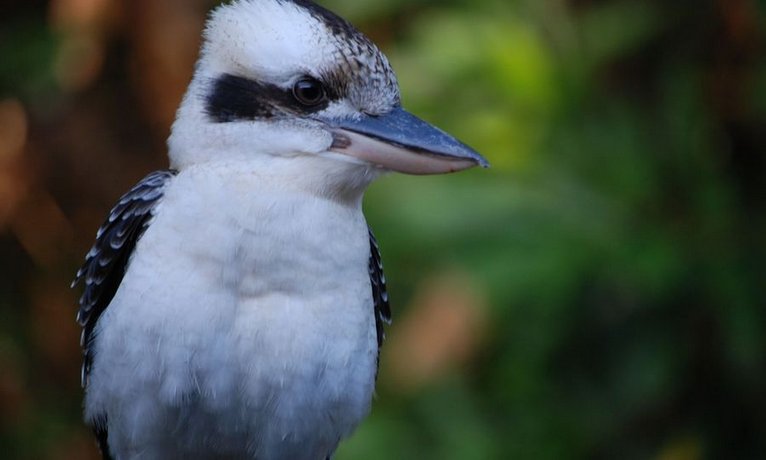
393	157
333	175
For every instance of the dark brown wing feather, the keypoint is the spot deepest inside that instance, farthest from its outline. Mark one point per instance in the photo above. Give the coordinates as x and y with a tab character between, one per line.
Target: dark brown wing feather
379	293
107	260
105	266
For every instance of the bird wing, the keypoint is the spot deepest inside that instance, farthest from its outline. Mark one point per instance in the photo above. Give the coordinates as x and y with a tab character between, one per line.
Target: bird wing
106	262
379	294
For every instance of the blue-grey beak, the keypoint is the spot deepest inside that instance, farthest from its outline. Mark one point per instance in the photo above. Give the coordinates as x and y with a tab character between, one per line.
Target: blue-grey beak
400	141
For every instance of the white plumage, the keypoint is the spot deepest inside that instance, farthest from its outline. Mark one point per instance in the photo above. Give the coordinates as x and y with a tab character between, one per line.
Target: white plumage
234	304
272	349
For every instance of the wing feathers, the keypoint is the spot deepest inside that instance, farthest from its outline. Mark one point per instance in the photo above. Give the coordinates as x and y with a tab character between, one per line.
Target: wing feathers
379	293
107	260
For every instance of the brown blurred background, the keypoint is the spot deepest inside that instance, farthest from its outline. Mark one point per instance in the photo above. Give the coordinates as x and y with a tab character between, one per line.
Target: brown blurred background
89	90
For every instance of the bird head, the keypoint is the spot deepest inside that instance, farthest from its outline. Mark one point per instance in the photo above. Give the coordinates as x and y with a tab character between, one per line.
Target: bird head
286	85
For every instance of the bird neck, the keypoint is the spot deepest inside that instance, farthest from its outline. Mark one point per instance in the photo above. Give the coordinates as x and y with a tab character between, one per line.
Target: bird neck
312	175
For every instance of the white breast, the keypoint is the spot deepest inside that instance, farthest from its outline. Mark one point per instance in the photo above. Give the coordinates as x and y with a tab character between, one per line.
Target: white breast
244	325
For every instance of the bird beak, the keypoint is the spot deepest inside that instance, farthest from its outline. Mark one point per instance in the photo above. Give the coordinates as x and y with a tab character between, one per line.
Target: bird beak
400	141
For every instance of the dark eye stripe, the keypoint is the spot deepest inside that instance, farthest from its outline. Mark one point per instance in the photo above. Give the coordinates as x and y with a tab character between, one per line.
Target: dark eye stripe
232	98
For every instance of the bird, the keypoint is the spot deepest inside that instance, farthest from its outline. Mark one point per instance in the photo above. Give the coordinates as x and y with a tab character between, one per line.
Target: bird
234	303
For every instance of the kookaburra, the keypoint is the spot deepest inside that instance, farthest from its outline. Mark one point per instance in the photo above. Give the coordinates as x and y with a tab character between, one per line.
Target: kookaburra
234	303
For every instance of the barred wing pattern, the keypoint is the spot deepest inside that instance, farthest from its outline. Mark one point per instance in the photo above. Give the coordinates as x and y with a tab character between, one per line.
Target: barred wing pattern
107	260
379	293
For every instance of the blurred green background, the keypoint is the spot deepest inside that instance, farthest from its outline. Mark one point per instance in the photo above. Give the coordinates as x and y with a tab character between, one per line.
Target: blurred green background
599	293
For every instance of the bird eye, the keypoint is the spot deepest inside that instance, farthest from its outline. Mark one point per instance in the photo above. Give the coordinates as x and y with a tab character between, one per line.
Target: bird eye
308	91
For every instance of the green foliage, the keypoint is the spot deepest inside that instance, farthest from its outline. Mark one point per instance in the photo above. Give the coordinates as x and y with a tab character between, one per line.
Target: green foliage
26	59
627	311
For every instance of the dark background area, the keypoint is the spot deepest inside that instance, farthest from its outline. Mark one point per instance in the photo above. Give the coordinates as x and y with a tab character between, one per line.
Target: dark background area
599	293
